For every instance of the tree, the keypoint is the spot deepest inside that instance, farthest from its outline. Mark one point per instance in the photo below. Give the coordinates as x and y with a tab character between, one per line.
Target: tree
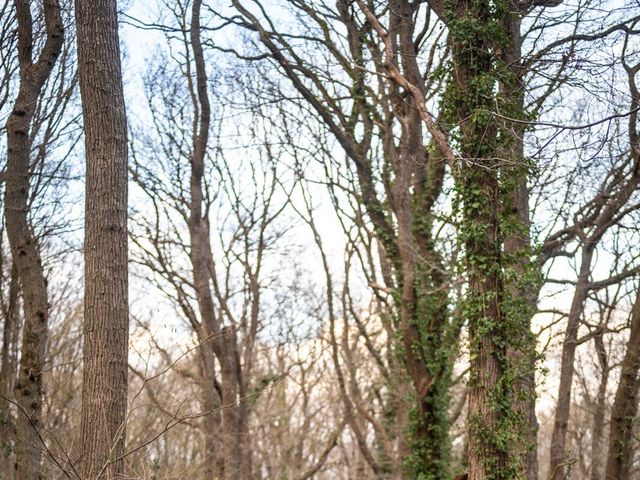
216	278
399	181
24	246
595	219
106	314
344	220
625	406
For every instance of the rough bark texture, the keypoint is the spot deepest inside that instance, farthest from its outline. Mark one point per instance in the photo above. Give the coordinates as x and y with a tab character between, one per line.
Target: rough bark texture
625	406
106	312
24	245
487	350
213	458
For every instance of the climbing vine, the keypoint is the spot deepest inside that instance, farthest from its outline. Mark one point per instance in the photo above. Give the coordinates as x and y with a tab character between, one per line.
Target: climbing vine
491	169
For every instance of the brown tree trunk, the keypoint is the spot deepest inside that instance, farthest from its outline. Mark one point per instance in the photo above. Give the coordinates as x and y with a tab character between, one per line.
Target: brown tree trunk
489	406
213	458
106	310
221	340
199	235
597	435
234	465
625	406
24	245
487	350
557	470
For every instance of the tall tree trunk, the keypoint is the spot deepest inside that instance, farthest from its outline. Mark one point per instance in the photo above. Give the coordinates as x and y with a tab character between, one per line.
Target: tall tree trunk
520	279
473	39
558	460
625	406
488	351
106	310
199	236
24	245
221	340
597	435
423	302
234	465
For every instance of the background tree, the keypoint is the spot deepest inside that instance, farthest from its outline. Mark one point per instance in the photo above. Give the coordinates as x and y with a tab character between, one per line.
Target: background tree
24	246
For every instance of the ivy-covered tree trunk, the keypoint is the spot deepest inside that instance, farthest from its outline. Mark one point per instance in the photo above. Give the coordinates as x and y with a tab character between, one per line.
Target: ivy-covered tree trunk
435	337
423	301
476	34
521	274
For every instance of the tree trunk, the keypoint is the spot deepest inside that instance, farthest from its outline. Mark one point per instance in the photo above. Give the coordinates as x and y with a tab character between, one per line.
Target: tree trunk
106	311
625	406
234	465
24	245
487	350
597	436
213	459
557	470
423	304
221	340
490	394
520	280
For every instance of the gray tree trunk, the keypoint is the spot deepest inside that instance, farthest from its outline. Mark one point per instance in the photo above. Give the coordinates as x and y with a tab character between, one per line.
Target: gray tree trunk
558	460
598	444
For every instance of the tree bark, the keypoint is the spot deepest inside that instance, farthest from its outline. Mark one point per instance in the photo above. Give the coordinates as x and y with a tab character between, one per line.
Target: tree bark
213	459
106	311
24	244
625	406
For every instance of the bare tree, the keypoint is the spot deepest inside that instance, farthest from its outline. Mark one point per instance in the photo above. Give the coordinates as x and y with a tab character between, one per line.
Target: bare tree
24	247
625	406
